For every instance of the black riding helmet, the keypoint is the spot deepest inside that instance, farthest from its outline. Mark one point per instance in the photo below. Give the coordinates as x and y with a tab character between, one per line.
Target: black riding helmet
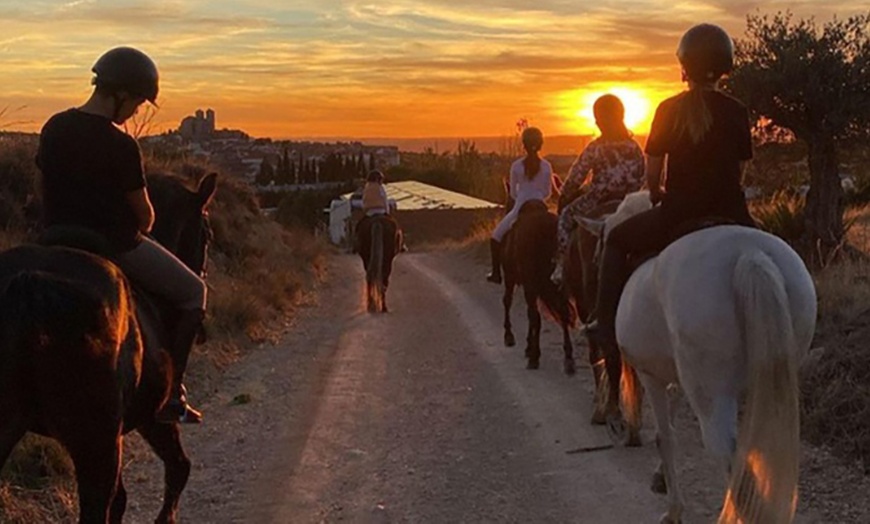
706	52
127	69
375	176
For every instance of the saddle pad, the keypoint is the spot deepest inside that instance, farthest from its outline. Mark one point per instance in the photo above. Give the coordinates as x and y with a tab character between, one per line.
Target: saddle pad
678	232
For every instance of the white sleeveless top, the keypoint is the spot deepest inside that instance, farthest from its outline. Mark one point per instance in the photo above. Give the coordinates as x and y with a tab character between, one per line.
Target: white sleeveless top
538	188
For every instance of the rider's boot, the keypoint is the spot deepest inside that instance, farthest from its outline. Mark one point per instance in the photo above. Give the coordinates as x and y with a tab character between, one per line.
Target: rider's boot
611	280
187	329
495	252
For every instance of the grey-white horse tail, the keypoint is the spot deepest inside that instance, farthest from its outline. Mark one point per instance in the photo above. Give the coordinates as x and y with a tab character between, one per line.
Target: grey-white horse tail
764	473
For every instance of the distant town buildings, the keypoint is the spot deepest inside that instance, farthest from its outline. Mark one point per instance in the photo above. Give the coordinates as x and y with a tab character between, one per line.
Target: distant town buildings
198	127
273	165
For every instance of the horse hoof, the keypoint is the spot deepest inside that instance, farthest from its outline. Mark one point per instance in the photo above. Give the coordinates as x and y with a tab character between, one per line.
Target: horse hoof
598	418
509	340
616	426
658	484
569	367
667	519
533	364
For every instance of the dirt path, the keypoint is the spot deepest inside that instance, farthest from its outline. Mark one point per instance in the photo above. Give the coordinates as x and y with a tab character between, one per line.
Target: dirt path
419	415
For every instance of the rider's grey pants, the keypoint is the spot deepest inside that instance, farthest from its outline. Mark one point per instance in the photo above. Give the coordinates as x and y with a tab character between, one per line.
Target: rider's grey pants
158	271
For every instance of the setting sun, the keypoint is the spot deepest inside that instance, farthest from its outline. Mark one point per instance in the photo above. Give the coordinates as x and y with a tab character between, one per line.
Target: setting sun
639	107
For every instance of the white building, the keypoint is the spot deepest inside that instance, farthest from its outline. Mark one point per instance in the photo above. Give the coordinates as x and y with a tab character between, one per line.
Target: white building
420	209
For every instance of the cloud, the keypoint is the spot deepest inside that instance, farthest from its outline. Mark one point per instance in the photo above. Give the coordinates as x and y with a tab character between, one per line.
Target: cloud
359	65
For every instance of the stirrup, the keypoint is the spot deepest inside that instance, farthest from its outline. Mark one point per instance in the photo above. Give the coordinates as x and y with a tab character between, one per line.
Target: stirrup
495	278
179	411
557	276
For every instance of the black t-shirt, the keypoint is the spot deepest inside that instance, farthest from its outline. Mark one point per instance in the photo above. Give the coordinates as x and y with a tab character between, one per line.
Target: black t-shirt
88	167
703	179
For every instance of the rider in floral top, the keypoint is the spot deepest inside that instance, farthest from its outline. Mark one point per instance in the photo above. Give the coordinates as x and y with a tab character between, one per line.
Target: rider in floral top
610	167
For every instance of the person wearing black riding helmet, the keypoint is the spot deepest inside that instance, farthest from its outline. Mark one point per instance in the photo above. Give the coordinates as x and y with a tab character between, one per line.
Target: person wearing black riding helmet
701	139
92	177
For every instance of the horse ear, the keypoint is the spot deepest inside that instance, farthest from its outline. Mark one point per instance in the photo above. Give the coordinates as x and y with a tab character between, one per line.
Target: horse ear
207	187
596	227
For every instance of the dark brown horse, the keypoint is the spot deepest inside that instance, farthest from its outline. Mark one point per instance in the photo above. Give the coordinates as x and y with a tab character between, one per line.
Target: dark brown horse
529	249
80	365
581	284
379	241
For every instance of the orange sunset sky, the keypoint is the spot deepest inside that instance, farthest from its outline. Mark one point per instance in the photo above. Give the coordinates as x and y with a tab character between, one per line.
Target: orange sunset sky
367	68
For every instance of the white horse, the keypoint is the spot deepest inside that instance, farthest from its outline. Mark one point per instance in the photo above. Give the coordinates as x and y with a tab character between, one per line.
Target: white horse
727	313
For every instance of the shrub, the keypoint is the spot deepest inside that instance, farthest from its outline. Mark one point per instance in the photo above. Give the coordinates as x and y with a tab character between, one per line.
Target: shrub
781	215
835	389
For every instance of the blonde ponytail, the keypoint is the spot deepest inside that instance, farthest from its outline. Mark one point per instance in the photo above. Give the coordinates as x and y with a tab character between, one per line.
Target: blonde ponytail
693	116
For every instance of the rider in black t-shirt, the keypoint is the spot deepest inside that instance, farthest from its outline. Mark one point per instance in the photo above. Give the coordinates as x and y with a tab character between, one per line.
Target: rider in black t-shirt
92	177
704	135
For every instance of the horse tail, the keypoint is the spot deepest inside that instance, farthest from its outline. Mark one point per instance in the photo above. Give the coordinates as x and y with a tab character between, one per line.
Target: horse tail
33	305
376	255
631	396
16	328
375	270
40	309
24	301
552	301
555	304
764	474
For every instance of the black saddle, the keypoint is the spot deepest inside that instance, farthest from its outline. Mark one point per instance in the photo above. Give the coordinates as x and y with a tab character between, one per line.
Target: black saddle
77	237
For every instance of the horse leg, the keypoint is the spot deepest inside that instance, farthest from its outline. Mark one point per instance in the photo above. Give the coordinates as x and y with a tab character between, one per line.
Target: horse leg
563	309
533	339
719	429
165	440
658	393
97	461
596	362
507	301
388	270
568	365
370	297
613	368
119	503
658	482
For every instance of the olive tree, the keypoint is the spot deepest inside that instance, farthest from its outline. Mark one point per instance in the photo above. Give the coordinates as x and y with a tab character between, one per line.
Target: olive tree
813	80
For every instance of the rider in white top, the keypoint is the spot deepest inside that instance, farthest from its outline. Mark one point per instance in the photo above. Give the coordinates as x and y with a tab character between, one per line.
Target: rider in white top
523	188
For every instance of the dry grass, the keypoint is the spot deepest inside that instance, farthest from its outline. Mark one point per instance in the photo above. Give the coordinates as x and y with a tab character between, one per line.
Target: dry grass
36	484
835	387
477	238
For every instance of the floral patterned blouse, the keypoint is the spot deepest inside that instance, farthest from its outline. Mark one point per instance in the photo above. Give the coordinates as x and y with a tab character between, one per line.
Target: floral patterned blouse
607	166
